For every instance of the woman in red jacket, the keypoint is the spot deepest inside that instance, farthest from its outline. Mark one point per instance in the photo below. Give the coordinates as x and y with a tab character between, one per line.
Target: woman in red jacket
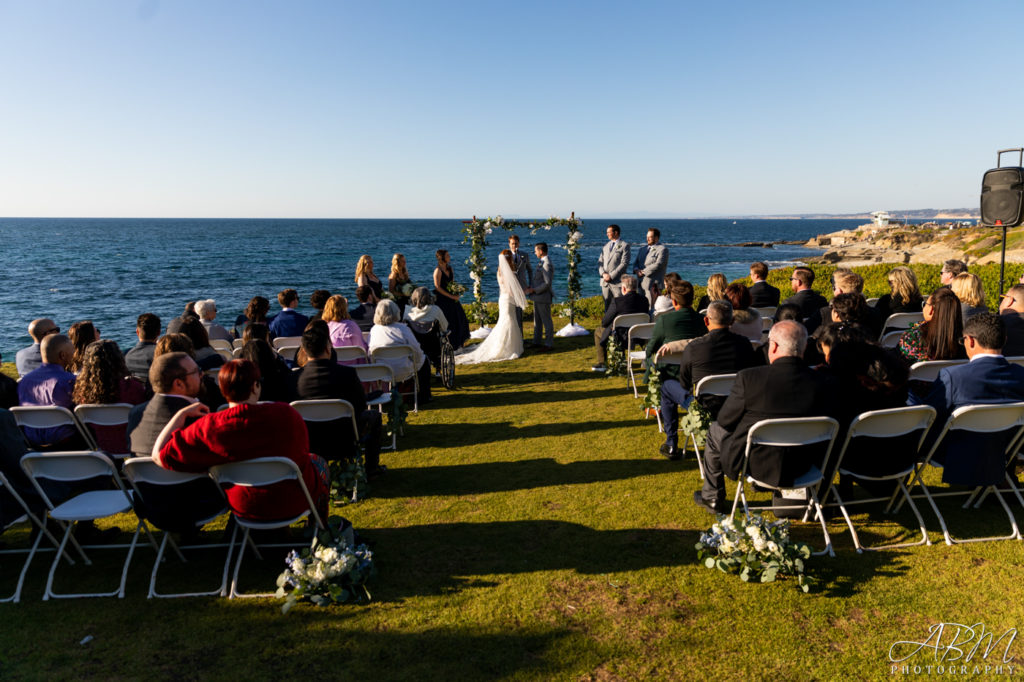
246	430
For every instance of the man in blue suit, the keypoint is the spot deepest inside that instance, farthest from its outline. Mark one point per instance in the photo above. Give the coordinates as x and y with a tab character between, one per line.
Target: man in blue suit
288	322
986	380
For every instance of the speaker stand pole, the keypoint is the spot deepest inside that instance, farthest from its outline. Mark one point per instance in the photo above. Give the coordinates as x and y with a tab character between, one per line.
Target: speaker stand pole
1002	264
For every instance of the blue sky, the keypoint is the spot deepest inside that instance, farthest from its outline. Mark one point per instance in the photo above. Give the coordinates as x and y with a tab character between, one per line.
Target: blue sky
447	109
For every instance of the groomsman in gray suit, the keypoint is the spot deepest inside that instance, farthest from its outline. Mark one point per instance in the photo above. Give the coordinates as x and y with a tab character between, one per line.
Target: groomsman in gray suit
650	266
521	265
612	264
540	294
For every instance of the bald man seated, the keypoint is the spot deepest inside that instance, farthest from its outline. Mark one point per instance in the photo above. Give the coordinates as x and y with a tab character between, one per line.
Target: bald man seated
27	359
51	384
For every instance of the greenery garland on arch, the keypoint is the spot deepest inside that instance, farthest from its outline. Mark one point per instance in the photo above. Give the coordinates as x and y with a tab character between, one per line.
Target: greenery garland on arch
475	232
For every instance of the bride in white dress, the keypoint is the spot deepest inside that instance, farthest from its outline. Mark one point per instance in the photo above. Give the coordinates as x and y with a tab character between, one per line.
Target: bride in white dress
505	342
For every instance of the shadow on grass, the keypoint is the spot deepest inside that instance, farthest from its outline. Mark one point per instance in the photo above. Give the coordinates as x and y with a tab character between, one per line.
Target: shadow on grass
495	399
471	433
441	558
500	377
491	477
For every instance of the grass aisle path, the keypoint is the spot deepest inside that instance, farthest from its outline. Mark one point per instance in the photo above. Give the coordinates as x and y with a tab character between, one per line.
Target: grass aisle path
528	529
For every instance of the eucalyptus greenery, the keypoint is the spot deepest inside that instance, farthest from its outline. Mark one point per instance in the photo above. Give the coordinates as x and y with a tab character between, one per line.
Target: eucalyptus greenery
348	479
695	422
754	548
476	231
615	358
652	398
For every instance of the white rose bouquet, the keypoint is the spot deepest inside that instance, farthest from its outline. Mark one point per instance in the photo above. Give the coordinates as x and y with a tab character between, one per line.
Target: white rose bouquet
756	549
330	572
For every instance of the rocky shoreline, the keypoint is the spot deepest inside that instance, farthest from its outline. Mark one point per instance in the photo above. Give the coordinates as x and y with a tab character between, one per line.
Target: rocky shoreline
928	243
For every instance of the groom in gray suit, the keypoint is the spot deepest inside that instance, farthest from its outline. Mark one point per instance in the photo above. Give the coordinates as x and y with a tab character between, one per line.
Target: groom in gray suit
612	264
650	266
521	266
540	294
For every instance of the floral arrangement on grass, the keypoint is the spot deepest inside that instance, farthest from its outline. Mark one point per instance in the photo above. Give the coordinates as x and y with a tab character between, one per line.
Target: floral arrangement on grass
755	549
615	358
332	571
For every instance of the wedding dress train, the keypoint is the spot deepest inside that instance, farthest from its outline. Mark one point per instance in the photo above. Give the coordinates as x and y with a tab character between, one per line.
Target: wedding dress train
505	342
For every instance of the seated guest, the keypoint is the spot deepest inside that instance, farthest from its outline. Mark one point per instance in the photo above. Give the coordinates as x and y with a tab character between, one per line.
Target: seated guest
1011	309
247	430
12	449
140	357
256	331
387	330
27	359
324	379
784	388
804	297
938	336
680	324
422	309
951	269
745	322
762	294
848	282
343	330
278	379
207	312
300	355
255	313
904	296
174	326
848	310
51	384
206	356
720	351
104	380
209	392
288	322
81	334
715	291
628	302
967	287
663	304
839	333
8	391
176	380
318	299
986	380
363	313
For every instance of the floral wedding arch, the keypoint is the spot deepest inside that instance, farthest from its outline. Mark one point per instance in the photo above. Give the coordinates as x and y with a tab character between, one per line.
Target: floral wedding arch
475	232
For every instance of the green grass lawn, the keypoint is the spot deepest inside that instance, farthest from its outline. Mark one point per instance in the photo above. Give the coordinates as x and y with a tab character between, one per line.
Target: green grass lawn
528	529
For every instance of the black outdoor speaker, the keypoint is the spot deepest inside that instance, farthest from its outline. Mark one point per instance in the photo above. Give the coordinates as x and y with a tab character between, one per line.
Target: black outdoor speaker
1002	196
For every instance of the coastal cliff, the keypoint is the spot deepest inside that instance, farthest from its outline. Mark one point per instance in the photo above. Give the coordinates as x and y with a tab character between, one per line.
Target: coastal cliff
927	243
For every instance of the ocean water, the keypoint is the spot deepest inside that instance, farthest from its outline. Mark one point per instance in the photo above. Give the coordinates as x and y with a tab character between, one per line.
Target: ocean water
111	270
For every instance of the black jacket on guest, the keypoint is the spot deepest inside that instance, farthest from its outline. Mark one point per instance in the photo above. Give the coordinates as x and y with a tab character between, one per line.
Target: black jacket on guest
327	380
1014	322
810	303
763	295
785	388
720	351
623	305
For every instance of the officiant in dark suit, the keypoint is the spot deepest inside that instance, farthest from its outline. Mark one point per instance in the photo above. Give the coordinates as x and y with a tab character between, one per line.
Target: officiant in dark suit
524	273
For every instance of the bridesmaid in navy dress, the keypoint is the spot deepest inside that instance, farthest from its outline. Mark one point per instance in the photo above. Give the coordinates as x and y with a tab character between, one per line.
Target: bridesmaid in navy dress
458	325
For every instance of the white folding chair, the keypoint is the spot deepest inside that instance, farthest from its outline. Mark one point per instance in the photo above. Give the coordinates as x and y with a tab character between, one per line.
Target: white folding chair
713	384
213	373
221	344
236	344
86	506
910	425
283	341
288	352
872	302
144	471
349	353
977	419
51	416
891	340
638	332
115	414
667	359
788	433
900	322
321	411
380	374
236	353
929	370
228	355
1016	360
260	473
41	531
383	353
767	311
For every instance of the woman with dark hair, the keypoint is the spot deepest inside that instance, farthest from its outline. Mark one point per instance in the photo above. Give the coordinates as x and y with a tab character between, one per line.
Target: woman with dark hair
317	299
745	321
104	380
938	336
254	331
278	380
255	312
246	430
663	304
205	355
449	302
81	334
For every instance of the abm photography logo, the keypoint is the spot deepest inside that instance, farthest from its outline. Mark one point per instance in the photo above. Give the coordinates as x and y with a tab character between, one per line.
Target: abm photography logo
955	649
